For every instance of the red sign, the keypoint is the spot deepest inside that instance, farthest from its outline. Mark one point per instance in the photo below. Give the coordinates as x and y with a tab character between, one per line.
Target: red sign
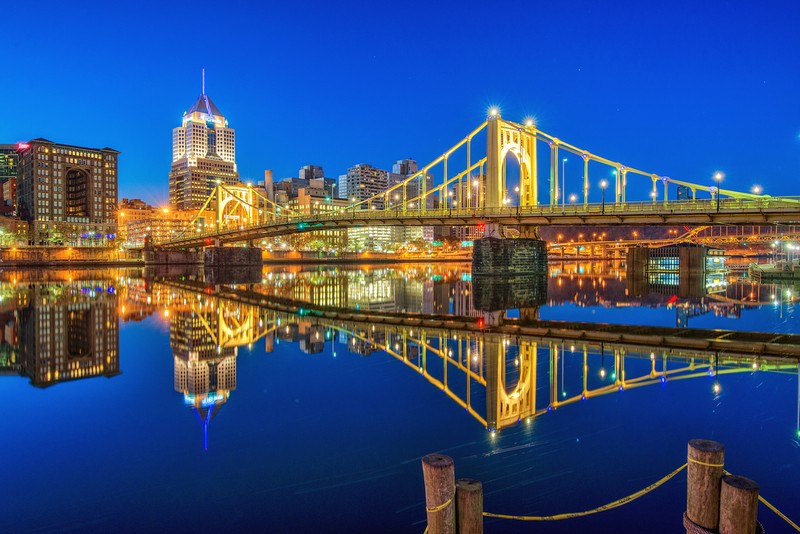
23	146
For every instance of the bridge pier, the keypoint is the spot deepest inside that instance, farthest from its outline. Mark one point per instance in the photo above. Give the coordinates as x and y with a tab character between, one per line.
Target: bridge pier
232	257
495	255
172	257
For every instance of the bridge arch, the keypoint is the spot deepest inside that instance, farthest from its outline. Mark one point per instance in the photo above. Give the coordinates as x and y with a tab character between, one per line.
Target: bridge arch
504	138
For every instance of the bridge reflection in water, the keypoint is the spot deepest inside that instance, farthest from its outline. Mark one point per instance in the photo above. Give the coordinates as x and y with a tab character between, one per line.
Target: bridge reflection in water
487	363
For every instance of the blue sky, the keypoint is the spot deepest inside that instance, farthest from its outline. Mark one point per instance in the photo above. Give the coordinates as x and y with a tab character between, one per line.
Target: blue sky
681	89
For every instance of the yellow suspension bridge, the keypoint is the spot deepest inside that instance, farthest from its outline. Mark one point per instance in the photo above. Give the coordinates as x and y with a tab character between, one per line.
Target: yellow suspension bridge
474	190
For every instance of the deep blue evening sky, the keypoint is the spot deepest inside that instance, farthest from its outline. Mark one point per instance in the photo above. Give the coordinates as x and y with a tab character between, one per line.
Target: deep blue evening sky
681	89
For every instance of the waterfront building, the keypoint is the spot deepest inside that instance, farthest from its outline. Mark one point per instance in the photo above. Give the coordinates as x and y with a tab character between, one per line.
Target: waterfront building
163	224
130	211
9	159
203	154
68	193
315	200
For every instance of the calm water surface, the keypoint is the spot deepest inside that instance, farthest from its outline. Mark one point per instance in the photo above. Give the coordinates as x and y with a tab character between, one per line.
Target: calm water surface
304	402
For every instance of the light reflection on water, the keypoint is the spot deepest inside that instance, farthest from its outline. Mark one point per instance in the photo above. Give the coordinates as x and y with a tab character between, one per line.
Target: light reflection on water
340	378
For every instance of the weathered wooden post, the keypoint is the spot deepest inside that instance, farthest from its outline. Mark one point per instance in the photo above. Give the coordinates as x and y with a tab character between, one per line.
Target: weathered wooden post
738	505
438	472
703	475
469	506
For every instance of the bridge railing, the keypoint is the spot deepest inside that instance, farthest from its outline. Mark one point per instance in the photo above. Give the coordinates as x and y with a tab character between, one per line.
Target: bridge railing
306	222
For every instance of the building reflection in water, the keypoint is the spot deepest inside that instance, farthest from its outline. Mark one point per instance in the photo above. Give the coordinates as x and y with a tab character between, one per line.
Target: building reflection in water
502	376
205	371
59	330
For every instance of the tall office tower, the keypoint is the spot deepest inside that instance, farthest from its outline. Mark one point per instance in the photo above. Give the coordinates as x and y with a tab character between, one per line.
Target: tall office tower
203	154
68	193
365	181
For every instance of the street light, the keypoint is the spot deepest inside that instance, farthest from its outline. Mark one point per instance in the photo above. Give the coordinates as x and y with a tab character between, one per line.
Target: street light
756	189
603	185
718	176
563	195
573	198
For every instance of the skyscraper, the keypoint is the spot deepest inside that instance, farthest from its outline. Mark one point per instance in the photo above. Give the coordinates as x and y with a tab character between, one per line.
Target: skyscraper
203	154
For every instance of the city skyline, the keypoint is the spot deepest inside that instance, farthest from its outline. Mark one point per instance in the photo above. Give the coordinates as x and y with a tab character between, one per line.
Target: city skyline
679	112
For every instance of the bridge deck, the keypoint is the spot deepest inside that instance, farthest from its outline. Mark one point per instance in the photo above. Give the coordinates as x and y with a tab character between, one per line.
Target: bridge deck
778	210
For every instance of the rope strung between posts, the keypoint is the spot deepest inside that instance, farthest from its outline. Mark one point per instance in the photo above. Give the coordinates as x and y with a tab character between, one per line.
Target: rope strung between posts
603	508
612	505
779	513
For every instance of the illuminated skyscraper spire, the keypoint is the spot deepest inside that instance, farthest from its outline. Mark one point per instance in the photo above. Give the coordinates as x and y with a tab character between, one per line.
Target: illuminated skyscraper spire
203	153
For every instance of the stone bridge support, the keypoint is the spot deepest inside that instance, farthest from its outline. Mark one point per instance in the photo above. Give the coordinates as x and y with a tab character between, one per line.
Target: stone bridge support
232	257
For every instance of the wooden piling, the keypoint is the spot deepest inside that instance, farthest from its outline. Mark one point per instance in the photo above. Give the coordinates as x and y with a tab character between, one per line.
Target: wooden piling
438	473
703	475
738	505
469	506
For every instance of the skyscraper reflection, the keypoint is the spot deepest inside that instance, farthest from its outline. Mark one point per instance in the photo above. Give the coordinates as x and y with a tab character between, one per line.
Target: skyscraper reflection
205	371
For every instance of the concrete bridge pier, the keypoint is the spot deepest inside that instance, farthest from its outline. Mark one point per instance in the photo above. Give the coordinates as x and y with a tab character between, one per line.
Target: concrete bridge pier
494	255
232	257
153	256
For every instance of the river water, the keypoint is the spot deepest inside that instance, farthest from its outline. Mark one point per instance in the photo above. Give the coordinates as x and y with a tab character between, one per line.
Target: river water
303	399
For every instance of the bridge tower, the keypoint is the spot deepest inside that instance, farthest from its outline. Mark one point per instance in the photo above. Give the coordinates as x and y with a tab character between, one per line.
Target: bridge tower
503	138
493	254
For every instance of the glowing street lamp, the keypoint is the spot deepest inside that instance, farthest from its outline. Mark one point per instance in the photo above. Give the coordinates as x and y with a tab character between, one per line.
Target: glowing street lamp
718	176
573	198
563	187
756	190
603	185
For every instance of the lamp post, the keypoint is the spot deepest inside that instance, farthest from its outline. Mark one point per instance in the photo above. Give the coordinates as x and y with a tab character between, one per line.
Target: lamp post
603	185
718	177
563	194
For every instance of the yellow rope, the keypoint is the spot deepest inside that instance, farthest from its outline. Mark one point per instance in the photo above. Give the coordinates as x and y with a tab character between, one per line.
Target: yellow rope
603	508
442	506
703	463
780	514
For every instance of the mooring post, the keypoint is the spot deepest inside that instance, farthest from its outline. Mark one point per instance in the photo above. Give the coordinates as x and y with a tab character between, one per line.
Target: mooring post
438	473
703	475
469	506
738	505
